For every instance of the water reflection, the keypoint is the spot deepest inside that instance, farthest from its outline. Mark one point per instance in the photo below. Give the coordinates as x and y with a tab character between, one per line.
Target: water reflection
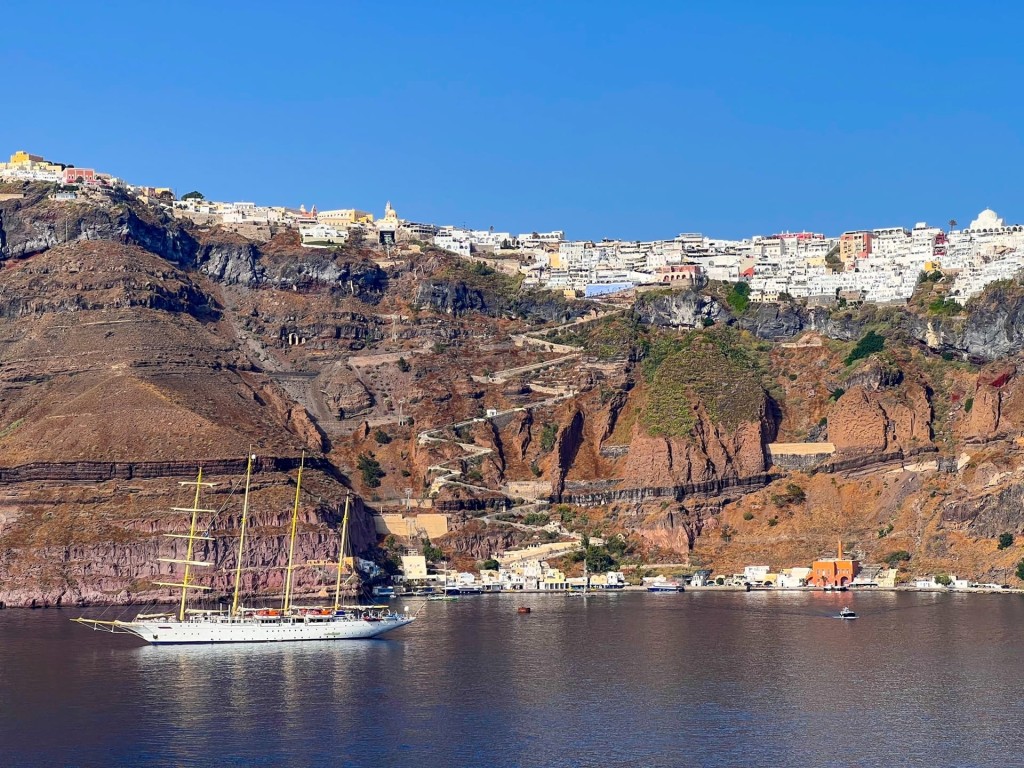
711	679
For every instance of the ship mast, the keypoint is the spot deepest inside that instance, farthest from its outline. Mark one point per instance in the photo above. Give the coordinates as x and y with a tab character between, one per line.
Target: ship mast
188	562
341	556
291	539
241	537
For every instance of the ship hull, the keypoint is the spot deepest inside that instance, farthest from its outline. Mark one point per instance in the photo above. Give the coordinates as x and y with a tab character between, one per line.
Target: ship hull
214	632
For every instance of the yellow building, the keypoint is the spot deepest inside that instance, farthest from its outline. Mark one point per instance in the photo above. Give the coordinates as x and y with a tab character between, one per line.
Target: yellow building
344	217
21	157
25	162
886	578
431	525
554	580
414	567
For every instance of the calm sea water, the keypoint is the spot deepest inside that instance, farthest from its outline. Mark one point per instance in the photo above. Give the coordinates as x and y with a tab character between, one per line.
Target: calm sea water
699	679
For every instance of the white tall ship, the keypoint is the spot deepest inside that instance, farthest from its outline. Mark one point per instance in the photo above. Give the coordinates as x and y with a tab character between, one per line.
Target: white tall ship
239	624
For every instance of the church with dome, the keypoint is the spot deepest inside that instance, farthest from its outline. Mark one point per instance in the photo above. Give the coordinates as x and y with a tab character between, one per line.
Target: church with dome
987	219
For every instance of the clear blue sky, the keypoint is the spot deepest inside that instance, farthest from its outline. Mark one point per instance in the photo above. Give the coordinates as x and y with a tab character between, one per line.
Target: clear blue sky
633	120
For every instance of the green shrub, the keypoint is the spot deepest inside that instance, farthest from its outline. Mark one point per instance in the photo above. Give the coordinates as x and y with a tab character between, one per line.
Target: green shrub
945	307
793	494
403	365
431	553
1005	540
836	393
968	404
548	437
490	565
893	559
773	521
382	437
748	516
739	297
599	559
370	469
943	579
868	345
536	518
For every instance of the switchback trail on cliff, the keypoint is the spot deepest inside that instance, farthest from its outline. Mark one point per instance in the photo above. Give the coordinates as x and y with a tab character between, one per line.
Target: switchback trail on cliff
438	434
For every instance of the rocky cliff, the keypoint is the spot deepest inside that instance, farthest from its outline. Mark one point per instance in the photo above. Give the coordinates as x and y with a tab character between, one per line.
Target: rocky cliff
137	346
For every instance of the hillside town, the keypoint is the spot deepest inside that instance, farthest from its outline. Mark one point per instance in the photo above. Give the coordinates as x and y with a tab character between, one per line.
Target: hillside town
880	266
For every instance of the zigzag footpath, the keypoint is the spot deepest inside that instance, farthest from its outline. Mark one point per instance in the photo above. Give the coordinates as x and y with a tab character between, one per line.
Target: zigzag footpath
447	473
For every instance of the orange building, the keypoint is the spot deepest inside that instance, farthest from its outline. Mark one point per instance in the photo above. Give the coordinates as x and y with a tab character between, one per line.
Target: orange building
835	571
854	245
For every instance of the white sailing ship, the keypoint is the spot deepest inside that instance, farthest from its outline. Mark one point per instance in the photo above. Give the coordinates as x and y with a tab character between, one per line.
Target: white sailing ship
241	624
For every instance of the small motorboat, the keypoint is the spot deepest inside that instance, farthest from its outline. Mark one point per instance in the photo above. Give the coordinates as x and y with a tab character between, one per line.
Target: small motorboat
523	609
665	587
846	614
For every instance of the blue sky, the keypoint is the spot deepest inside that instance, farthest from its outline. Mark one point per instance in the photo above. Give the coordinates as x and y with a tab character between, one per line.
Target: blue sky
606	119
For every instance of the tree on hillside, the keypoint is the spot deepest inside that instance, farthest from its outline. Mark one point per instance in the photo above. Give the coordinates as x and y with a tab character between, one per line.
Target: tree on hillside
431	553
598	559
1005	540
893	559
739	297
371	470
193	195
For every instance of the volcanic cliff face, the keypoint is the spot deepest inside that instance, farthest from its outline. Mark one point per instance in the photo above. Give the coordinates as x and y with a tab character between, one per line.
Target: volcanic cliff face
103	542
991	327
34	224
120	375
137	346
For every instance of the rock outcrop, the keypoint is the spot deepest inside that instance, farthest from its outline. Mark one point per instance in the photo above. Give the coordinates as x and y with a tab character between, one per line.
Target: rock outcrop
863	421
458	298
992	326
682	309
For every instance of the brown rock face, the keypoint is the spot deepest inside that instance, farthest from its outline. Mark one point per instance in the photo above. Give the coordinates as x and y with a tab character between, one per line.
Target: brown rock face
346	395
712	453
103	542
863	421
857	423
986	411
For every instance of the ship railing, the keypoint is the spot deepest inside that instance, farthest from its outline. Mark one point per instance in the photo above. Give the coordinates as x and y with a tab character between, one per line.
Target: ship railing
114	627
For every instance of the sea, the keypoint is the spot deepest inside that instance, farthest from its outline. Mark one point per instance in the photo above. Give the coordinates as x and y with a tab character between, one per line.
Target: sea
623	679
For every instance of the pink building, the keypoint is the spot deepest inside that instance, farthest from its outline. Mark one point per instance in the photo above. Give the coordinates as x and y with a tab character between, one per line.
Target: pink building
80	176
